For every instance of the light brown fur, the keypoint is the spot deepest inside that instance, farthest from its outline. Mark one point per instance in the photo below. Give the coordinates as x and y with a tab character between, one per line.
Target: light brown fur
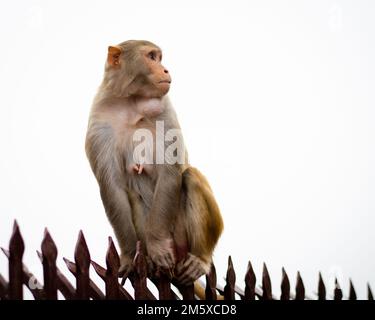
169	207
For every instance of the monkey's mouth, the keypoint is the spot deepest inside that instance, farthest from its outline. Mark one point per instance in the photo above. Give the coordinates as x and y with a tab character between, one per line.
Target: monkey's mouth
165	81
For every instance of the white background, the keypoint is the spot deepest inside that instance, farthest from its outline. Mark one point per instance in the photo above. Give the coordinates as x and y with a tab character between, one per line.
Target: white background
276	102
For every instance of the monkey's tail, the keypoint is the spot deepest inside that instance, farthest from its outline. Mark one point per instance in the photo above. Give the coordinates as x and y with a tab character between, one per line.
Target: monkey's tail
200	291
202	212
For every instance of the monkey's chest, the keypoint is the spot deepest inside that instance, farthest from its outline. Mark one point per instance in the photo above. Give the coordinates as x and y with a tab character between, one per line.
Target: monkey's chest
139	146
137	153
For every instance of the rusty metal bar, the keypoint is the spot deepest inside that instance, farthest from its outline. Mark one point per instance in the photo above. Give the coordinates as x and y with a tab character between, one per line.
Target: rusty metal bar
229	292
210	290
352	293
63	284
54	280
82	259
187	292
30	281
370	296
241	292
338	291
321	288
94	292
140	275
49	256
163	283
285	286
300	288
250	281
123	294
266	284
16	250
111	274
174	295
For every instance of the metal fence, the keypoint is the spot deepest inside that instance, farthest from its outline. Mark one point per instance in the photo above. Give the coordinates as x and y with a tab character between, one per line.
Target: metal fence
85	288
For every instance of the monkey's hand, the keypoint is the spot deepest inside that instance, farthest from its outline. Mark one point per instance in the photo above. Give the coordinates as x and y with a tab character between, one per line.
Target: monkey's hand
126	266
190	269
161	253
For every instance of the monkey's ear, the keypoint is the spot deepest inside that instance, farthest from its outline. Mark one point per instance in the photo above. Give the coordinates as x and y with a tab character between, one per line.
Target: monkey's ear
113	57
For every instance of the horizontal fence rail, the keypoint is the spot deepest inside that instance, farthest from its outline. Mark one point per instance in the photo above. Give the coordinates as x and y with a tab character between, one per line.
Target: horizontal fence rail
54	280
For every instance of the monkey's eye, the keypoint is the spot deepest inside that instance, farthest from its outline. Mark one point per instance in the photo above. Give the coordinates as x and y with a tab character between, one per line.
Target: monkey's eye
152	55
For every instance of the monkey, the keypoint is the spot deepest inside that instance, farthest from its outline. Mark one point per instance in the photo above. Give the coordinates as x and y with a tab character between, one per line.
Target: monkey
169	206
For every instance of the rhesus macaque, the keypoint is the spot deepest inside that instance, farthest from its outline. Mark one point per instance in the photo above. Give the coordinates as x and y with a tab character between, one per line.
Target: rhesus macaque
168	206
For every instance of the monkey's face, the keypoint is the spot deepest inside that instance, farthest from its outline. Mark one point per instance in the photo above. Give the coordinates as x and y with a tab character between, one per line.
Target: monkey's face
158	77
135	69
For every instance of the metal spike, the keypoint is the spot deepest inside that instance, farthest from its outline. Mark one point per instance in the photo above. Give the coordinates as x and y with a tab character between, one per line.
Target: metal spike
338	291
266	284
300	288
285	286
370	296
321	288
229	292
250	281
352	294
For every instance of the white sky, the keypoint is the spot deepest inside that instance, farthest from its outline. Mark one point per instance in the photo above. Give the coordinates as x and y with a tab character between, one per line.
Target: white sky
276	102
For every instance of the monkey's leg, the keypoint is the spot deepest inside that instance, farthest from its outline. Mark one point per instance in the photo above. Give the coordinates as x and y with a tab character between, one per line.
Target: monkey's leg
203	224
119	213
160	220
180	238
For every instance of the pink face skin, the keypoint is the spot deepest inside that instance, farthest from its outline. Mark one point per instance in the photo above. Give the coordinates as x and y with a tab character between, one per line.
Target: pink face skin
159	76
160	80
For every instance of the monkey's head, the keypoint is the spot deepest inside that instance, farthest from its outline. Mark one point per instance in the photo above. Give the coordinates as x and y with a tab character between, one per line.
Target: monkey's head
134	69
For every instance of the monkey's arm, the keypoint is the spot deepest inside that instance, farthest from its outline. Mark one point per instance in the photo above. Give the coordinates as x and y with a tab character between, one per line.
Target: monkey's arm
100	150
118	210
160	221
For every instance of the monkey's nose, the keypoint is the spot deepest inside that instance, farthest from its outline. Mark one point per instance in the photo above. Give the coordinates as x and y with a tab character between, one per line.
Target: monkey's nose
166	71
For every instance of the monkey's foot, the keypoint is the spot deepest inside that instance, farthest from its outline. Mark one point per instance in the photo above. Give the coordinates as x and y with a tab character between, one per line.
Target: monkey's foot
191	269
138	168
161	253
126	267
